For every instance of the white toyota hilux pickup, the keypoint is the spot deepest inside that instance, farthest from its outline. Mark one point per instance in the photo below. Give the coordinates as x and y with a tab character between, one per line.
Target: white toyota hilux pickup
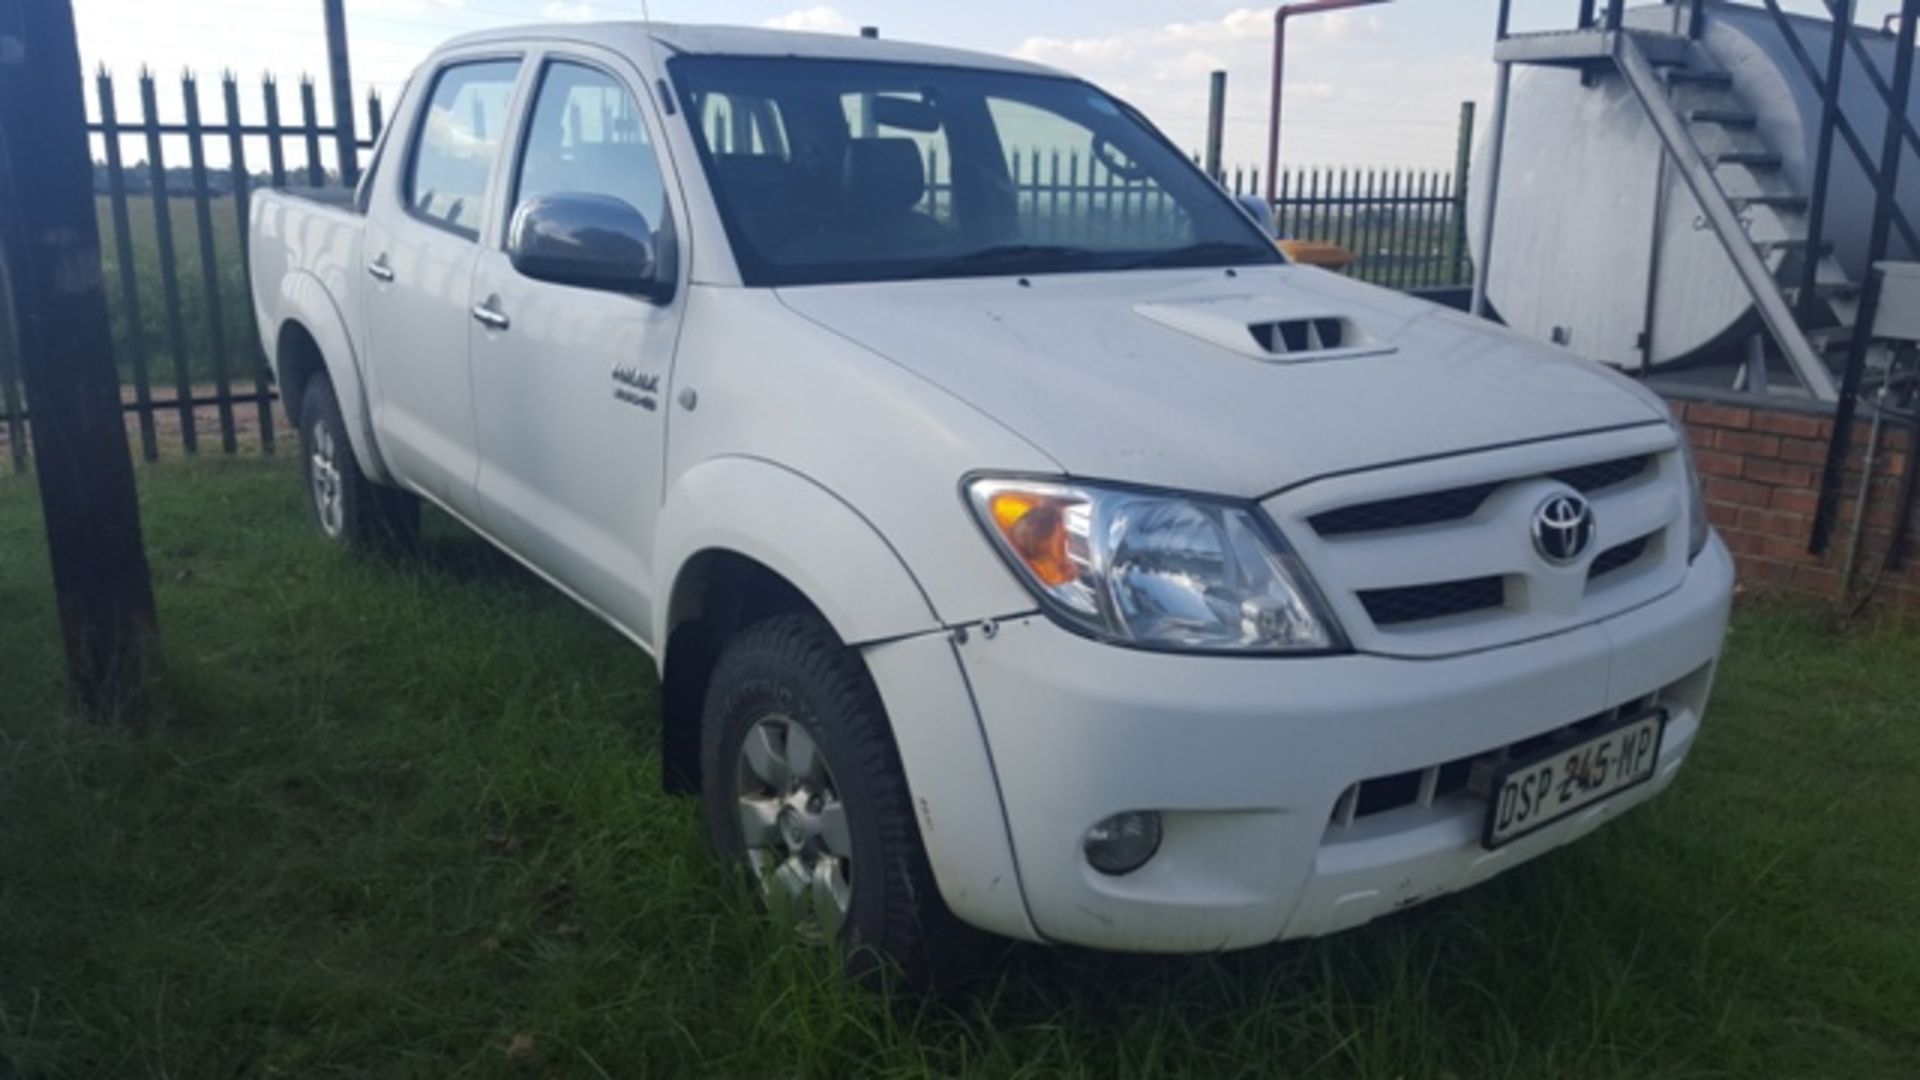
1023	544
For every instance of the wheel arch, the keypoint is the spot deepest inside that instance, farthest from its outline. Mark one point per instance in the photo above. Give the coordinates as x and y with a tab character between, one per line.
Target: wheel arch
312	337
742	539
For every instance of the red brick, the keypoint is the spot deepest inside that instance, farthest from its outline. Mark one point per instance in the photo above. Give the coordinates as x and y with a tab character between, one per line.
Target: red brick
1717	463
1725	489
1720	416
1773	522
1768	571
1794	500
1803	451
1700	438
1787	549
1793	425
1738	542
1778	473
1747	443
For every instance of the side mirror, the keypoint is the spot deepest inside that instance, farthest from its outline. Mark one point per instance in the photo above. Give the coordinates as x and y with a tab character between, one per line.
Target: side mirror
1257	209
593	241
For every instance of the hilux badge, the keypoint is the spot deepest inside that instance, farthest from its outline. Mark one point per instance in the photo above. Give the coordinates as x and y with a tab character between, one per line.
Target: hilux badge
1562	528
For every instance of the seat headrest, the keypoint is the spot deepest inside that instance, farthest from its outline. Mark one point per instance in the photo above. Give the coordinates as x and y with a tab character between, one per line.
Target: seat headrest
884	174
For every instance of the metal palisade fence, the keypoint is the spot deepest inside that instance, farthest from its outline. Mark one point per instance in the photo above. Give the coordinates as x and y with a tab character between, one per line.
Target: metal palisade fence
172	198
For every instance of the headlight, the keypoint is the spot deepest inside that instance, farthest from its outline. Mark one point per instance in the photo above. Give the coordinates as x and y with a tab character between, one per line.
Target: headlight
1153	569
1697	527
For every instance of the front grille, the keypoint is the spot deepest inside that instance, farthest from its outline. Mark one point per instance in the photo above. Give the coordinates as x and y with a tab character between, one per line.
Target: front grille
1600	475
1465	777
1414	603
1454	504
1618	557
1424	509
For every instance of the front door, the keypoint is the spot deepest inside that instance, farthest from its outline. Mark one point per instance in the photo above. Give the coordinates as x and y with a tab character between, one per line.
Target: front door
420	257
570	383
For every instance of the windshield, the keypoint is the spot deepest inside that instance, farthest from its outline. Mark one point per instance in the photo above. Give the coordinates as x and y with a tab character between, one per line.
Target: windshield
859	171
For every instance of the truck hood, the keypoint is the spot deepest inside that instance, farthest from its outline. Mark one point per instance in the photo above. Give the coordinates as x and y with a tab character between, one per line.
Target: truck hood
1235	383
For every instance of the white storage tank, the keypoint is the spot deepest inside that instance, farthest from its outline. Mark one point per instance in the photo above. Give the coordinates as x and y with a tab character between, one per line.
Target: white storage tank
1593	245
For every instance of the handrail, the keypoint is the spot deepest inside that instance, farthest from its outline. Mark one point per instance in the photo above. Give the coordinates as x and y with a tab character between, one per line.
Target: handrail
1885	179
1841	124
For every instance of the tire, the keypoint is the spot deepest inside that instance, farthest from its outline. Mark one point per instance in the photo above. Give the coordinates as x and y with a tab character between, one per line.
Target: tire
348	509
791	673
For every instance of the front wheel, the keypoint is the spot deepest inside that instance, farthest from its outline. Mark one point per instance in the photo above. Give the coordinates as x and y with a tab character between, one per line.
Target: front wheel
804	791
349	509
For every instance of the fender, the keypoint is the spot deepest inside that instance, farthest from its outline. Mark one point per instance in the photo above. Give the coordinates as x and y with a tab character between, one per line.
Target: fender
304	299
794	526
836	558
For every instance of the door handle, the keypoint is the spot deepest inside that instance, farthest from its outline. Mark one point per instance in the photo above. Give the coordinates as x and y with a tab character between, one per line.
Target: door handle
490	316
379	269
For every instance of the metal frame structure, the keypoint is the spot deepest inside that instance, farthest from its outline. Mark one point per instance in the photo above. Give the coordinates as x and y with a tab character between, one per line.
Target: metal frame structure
1601	37
1280	17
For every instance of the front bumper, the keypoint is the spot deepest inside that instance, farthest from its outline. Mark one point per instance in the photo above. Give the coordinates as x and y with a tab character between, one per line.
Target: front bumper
1247	758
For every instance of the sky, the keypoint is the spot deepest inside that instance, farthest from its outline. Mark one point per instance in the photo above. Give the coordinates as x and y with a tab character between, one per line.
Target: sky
1372	87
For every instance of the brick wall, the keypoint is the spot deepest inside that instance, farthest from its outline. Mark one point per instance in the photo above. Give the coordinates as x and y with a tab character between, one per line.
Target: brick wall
1761	467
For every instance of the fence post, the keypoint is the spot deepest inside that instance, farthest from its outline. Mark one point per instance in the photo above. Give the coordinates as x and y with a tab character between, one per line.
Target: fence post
209	261
348	147
1462	158
103	590
169	270
242	202
136	340
310	130
1216	120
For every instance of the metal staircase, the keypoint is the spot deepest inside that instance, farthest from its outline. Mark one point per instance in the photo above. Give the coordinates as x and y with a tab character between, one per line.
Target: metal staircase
1713	140
1819	318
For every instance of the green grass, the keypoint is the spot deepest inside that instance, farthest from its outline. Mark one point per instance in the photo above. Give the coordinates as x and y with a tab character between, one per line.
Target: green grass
391	816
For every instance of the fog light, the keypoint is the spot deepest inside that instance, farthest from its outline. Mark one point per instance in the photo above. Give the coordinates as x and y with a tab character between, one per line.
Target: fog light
1123	843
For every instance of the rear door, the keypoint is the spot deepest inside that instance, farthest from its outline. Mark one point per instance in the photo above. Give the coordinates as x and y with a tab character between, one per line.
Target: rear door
422	239
570	384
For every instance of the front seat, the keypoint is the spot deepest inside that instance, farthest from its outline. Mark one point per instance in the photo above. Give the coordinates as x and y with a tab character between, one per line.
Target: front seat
883	181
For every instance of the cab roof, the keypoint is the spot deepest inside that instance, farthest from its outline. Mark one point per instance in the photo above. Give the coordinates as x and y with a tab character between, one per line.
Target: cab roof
698	40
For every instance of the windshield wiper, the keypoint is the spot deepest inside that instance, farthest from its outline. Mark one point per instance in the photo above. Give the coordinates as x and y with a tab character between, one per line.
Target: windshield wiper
1205	253
1007	258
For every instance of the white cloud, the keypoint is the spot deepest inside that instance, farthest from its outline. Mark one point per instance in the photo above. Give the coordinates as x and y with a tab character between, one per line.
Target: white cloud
821	18
579	11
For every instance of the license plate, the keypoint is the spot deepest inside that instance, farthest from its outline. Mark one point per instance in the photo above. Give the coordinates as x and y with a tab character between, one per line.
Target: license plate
1539	791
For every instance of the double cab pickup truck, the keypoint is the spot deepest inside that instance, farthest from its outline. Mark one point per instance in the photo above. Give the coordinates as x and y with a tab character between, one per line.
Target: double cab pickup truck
1023	544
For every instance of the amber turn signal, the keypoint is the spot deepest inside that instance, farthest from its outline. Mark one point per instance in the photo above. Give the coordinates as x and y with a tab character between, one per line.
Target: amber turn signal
1035	528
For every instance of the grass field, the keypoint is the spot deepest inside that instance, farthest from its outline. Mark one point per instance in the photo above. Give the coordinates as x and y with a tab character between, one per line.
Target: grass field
404	819
196	321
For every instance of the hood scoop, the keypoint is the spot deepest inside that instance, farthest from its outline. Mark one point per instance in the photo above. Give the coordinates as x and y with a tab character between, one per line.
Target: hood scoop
1256	327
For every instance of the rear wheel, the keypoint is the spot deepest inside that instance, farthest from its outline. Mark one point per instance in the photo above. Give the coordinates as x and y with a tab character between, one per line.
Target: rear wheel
349	509
804	791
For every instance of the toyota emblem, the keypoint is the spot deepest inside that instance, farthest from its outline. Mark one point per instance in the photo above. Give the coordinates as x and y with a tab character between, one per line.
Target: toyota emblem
1562	528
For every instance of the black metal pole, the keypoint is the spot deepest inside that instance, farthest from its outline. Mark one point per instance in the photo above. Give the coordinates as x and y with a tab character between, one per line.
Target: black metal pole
1823	161
50	249
1885	182
338	74
1216	121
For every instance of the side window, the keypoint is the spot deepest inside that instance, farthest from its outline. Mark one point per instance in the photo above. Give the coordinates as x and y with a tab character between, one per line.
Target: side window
457	141
587	137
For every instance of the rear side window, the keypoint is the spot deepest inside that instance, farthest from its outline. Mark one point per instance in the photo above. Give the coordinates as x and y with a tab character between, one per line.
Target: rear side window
456	143
586	137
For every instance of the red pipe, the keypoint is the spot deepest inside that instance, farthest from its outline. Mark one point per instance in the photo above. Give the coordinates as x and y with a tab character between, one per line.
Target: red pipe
1280	17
